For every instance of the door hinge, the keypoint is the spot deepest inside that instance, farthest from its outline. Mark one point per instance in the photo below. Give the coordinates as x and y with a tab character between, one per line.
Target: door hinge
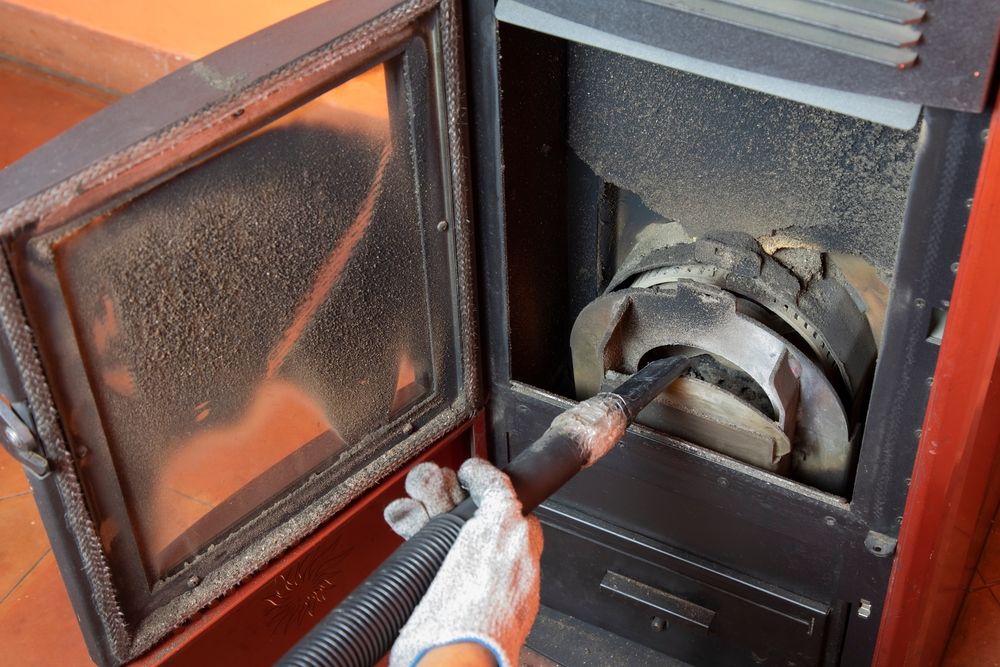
20	442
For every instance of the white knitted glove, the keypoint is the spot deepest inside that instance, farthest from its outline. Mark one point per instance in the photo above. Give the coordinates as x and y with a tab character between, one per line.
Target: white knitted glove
487	589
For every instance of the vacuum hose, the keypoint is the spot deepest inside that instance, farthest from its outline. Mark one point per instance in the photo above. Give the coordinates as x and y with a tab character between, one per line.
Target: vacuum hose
364	626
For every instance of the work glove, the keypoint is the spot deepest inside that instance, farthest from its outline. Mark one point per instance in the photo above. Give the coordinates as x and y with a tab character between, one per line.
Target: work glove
487	589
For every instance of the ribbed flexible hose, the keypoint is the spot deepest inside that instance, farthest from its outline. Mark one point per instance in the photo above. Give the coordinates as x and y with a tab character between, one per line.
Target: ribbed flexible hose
363	628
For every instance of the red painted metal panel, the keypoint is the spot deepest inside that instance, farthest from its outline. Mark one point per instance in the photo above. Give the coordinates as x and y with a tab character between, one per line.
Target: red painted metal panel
259	621
953	486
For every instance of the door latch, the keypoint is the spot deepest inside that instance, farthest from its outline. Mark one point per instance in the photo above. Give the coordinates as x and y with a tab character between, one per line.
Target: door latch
20	442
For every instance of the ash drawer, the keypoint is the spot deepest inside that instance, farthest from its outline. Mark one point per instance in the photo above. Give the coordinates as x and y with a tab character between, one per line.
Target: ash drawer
686	609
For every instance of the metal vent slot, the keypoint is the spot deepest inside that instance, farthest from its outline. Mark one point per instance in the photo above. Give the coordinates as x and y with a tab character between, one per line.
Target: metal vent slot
890	10
876	30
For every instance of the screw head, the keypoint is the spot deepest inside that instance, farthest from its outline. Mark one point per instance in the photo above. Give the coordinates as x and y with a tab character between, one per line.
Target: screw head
723	481
657	624
830	521
442	226
919	303
954	267
408	427
193	581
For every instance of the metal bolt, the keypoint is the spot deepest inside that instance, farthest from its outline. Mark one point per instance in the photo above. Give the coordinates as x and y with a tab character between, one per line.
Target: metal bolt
443	226
954	267
984	135
968	203
657	624
193	581
82	452
919	303
899	521
408	427
830	521
865	609
917	432
723	481
907	481
930	381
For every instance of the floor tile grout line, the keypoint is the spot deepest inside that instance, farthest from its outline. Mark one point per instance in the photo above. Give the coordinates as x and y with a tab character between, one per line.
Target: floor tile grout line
989	581
193	498
15	495
24	576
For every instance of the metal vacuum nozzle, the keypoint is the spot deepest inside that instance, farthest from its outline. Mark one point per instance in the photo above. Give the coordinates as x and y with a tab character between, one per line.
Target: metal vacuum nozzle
584	433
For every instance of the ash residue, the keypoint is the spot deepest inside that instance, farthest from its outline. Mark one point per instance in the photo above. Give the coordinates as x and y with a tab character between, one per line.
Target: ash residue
206	272
715	156
732	379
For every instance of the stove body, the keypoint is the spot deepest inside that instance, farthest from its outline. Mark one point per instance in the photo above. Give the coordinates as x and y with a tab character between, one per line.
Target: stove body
713	559
581	189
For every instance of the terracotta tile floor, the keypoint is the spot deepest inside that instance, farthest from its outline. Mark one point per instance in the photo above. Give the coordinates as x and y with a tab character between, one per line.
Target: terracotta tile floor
36	106
975	641
37	624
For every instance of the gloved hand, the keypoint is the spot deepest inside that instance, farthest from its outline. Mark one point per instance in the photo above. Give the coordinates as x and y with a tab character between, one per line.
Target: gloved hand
487	589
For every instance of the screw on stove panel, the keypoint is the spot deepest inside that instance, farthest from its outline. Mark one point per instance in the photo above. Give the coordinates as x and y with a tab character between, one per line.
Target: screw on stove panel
879	544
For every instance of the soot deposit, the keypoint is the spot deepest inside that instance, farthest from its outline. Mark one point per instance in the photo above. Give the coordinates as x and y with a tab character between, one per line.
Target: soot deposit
715	156
192	285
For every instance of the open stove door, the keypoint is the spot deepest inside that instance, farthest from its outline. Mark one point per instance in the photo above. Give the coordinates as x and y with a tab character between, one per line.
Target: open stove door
233	302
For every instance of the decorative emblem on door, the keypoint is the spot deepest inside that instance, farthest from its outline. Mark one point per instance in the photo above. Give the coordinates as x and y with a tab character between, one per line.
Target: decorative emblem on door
304	591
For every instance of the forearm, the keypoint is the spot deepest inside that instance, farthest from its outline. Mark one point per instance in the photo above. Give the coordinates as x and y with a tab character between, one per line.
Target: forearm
461	654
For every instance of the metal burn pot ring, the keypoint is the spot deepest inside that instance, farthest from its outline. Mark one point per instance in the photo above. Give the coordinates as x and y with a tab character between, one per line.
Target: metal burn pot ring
616	331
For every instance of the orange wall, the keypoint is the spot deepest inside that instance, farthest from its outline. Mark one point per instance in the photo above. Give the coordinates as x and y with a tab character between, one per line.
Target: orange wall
188	28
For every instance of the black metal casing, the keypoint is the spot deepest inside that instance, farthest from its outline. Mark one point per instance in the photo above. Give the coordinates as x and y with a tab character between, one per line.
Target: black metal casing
678	519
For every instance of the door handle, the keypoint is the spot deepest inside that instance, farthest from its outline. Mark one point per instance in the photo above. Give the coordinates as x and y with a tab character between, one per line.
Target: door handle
659	601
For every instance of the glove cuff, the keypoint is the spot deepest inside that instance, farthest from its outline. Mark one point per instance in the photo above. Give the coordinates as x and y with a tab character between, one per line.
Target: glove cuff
499	654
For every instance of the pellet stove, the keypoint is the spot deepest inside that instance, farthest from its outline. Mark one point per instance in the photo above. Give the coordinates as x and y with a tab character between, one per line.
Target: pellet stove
240	302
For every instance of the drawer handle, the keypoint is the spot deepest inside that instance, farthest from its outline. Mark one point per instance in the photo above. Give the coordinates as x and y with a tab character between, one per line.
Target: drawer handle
657	600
